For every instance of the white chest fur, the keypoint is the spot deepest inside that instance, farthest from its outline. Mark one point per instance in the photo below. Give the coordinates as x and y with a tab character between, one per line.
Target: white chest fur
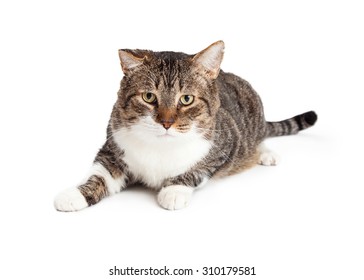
152	159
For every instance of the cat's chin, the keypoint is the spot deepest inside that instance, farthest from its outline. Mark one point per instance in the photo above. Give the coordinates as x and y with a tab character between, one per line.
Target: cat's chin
166	136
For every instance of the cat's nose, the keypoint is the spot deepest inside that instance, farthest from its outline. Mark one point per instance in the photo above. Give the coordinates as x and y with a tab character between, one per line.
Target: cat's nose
167	123
166	117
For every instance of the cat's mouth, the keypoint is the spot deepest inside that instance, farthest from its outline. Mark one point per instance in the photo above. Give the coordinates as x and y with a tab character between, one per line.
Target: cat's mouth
166	135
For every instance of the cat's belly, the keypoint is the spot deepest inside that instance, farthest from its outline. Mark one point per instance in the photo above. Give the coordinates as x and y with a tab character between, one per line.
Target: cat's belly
154	160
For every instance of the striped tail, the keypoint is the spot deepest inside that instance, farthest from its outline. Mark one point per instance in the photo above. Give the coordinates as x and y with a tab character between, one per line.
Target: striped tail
292	125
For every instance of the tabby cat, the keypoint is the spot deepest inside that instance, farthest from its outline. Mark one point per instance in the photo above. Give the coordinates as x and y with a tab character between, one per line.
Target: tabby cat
178	121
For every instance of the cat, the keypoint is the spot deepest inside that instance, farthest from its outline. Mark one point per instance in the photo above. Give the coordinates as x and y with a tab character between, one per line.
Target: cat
178	121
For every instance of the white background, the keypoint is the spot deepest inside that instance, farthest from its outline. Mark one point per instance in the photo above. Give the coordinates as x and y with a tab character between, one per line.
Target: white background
60	72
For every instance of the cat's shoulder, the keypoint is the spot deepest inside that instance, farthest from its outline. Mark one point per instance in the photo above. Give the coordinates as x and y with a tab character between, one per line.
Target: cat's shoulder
229	82
231	79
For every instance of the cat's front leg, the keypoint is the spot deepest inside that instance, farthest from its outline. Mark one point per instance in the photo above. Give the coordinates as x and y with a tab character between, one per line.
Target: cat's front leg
105	178
99	184
175	197
178	192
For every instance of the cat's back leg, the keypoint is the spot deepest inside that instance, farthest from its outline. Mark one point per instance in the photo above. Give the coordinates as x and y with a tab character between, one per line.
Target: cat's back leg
266	156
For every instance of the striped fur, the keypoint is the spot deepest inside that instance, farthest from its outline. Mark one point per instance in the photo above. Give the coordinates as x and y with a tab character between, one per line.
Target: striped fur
173	147
292	125
94	189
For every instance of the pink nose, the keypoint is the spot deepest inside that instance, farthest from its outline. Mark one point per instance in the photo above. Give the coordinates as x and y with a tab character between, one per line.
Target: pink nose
167	123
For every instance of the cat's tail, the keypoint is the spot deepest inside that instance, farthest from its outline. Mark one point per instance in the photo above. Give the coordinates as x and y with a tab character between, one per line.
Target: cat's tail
292	125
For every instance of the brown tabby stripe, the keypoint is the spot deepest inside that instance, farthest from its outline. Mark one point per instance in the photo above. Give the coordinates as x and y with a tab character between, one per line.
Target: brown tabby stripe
110	157
188	179
94	189
292	125
207	103
127	101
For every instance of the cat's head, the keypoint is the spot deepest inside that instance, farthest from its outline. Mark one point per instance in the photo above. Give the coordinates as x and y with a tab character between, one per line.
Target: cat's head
168	94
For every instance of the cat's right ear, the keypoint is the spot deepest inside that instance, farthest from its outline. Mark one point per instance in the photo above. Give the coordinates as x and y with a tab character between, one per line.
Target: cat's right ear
129	60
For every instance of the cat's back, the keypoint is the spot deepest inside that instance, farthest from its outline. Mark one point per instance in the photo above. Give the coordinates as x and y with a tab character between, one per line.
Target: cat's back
239	127
239	99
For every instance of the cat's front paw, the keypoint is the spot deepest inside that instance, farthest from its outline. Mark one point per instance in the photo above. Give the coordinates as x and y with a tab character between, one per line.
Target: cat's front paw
175	197
70	200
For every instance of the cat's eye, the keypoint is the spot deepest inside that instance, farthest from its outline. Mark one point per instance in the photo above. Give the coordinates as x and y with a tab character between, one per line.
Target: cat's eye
186	99
149	97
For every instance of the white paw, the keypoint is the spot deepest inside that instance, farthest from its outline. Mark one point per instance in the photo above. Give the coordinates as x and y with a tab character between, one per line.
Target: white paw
175	197
70	200
268	158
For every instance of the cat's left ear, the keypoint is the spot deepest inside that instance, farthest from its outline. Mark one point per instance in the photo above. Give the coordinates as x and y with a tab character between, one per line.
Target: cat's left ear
208	61
130	59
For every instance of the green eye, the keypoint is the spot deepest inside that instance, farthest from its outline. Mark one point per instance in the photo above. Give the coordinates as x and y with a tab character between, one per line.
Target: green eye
149	97
186	99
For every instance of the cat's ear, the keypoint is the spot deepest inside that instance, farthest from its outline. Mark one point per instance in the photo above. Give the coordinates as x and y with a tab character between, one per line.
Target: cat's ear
130	60
209	59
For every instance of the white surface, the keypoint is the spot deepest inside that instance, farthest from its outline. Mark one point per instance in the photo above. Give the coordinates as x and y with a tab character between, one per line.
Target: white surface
60	73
